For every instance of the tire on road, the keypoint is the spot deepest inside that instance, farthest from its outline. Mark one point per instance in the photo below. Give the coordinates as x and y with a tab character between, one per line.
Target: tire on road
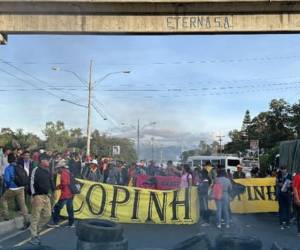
199	241
29	247
237	242
276	246
117	245
95	230
150	248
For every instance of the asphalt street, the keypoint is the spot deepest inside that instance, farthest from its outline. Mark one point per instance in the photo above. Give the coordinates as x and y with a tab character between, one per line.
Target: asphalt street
264	226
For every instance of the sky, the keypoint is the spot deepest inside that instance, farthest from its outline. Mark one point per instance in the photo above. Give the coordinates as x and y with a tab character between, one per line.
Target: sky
193	87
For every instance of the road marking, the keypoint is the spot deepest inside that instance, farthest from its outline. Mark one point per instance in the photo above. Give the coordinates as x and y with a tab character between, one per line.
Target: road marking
41	233
11	236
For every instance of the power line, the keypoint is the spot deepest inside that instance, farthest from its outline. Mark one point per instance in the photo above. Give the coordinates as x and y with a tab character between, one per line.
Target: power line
28	82
33	77
209	61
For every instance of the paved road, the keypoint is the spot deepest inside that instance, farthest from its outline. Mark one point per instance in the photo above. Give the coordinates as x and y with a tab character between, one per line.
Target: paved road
264	226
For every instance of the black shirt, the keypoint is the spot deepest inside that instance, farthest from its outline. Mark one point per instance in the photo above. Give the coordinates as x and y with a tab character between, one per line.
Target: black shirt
41	182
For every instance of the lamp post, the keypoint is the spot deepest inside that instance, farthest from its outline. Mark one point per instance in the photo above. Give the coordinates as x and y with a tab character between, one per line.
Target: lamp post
90	84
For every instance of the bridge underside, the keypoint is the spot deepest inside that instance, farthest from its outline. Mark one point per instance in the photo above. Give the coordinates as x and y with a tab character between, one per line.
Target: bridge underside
148	16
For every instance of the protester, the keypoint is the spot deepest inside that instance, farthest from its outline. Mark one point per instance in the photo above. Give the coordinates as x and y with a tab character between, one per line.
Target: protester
239	174
132	174
296	191
41	187
35	159
284	197
3	165
171	170
212	173
202	182
75	165
186	177
122	175
104	169
92	172
222	188
4	162
26	162
140	169
15	182
113	174
66	197
229	175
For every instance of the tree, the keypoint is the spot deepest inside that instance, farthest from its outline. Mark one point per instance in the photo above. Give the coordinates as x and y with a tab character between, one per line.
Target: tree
245	125
57	137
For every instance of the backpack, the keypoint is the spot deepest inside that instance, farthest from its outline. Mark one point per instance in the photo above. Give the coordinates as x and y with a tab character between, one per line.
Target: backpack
21	177
217	191
74	188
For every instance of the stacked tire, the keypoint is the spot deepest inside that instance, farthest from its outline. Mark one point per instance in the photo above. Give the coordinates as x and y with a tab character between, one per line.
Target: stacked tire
237	242
196	242
94	234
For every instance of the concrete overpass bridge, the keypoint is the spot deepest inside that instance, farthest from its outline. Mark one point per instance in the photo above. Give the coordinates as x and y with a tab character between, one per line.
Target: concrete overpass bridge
148	16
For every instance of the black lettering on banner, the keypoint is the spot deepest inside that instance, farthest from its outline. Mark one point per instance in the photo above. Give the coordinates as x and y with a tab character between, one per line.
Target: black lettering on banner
160	209
136	203
115	200
271	194
89	199
259	191
170	23
185	203
239	197
250	198
193	21
79	210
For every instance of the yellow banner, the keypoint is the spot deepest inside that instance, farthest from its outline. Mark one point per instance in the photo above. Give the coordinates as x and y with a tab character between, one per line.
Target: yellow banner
136	205
258	197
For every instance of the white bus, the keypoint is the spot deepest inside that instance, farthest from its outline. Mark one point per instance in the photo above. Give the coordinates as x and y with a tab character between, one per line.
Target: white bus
229	162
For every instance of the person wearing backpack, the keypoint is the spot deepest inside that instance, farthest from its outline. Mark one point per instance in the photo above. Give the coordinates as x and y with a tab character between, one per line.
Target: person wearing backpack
15	182
66	197
221	192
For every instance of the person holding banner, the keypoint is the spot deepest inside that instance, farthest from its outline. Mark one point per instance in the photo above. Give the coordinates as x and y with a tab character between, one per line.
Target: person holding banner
221	194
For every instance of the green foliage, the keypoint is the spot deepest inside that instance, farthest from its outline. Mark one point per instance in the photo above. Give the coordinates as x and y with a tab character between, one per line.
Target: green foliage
280	122
18	139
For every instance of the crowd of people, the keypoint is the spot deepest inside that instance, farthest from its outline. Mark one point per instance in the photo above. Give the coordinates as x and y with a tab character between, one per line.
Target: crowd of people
30	178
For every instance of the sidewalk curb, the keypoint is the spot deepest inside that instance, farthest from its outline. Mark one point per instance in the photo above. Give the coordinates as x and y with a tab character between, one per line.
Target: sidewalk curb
10	226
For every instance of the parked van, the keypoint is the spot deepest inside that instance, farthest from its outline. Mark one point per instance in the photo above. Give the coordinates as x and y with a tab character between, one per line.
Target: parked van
229	162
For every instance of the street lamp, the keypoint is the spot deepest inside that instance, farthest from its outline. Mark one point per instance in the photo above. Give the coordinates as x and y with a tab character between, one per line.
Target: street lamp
89	84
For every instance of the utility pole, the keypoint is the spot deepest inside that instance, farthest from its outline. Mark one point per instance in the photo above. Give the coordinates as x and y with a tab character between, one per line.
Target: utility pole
152	147
138	139
88	143
220	142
